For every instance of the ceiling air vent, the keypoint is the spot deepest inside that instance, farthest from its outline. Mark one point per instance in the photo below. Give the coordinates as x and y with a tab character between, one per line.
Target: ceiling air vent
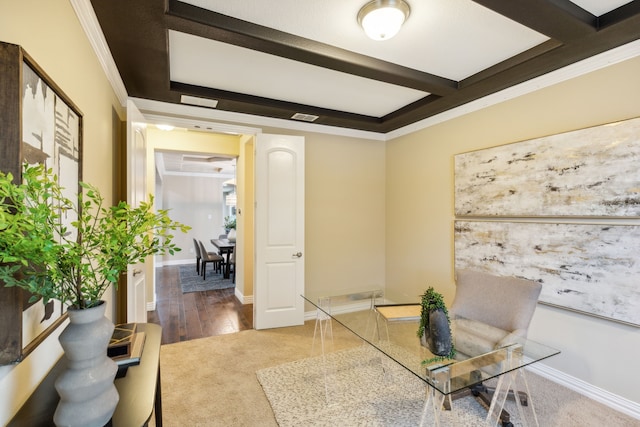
305	117
200	102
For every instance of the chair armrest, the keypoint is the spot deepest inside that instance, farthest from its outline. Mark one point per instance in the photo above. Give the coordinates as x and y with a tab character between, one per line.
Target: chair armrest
473	338
515	337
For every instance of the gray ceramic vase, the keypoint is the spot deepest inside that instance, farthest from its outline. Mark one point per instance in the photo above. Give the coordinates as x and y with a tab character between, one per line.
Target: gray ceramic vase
88	396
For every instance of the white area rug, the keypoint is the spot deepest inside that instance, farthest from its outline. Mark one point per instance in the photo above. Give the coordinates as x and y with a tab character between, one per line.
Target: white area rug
364	389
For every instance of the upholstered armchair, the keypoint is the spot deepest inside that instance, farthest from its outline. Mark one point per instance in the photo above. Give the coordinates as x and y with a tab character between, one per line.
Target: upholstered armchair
489	312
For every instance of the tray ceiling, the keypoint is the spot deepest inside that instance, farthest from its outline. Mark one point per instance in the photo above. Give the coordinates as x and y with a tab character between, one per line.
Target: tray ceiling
279	58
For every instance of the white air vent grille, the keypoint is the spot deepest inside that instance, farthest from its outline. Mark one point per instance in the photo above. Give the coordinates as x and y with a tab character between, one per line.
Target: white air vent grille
305	117
200	102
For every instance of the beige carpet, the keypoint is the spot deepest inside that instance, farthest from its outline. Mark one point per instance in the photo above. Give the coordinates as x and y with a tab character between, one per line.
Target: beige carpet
212	382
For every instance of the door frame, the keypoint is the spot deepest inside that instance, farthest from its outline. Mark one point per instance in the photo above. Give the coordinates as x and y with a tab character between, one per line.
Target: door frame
214	127
137	190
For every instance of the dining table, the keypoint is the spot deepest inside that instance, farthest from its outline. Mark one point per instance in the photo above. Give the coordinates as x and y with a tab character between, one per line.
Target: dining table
225	248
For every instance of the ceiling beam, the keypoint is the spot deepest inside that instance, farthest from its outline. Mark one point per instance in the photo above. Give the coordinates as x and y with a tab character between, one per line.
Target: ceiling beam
617	16
561	20
138	43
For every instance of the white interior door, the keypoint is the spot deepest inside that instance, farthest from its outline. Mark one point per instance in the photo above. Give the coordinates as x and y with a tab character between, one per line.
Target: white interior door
136	193
279	231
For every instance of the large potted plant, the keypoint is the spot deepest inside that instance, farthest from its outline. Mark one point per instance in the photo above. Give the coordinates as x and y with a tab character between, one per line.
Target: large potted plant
76	263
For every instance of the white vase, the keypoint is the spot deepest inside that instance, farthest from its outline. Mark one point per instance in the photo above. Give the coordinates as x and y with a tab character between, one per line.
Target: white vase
88	396
232	235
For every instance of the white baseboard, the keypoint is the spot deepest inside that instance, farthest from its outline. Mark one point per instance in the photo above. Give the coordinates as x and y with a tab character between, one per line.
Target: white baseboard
243	299
175	262
609	399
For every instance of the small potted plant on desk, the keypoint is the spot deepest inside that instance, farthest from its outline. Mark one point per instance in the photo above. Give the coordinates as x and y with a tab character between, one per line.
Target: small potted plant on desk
76	263
434	328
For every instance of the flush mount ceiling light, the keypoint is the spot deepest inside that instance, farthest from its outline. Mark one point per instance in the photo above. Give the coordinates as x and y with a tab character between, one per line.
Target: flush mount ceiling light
382	19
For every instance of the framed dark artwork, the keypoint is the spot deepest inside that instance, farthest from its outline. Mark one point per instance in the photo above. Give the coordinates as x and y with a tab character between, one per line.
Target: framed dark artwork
38	124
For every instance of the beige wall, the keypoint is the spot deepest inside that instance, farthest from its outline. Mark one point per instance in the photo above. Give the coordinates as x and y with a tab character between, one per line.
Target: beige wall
344	213
420	212
197	202
245	219
50	32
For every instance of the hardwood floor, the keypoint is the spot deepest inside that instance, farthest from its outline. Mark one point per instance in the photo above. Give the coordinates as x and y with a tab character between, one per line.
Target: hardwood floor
197	314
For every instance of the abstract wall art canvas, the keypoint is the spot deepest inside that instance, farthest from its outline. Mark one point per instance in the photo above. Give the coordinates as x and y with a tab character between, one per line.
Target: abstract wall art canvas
590	268
590	172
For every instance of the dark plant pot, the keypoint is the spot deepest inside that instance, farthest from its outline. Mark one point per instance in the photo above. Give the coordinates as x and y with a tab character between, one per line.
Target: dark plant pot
438	337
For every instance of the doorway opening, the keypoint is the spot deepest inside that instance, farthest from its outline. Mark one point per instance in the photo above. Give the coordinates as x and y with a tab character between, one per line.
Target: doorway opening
196	175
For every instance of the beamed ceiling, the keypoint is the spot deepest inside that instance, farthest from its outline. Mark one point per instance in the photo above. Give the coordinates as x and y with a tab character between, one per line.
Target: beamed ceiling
282	57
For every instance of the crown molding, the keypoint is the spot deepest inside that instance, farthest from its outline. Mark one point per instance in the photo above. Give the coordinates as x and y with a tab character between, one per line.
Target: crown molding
89	22
179	114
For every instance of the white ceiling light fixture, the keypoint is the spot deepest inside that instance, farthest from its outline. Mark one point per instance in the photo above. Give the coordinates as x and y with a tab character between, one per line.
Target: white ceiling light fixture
382	19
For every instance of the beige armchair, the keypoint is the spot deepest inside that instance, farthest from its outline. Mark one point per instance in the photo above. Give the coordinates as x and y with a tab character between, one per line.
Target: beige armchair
497	309
490	312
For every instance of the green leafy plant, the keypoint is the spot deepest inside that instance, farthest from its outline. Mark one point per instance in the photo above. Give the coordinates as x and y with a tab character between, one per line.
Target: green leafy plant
230	222
73	263
430	301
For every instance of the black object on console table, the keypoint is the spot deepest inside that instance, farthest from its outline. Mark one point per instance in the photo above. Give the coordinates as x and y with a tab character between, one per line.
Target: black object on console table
139	390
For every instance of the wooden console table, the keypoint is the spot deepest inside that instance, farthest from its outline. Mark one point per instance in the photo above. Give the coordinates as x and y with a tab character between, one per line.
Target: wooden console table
139	390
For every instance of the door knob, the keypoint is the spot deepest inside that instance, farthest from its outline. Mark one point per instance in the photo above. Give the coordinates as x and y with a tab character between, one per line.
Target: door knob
136	272
299	255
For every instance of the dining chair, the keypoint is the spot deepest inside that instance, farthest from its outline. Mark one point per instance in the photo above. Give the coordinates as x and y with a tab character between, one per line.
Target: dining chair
232	263
209	257
198	256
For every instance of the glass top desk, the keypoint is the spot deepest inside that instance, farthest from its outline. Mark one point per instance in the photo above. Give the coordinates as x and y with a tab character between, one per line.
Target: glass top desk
392	328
